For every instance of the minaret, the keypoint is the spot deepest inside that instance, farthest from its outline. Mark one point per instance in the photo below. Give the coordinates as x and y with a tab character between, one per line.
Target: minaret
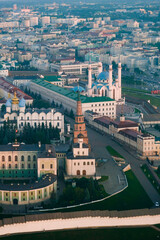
89	81
110	81
100	69
80	126
119	78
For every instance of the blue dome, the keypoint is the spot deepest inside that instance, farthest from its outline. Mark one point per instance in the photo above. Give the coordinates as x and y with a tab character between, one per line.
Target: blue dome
22	102
103	75
78	88
9	103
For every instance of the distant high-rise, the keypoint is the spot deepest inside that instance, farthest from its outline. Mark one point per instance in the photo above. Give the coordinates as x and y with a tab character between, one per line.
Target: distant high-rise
15	7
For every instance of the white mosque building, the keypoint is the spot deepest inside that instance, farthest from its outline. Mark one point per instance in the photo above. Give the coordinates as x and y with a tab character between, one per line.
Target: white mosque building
104	84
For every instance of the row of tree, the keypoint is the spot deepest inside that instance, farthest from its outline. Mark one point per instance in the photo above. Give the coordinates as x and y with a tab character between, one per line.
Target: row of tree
29	135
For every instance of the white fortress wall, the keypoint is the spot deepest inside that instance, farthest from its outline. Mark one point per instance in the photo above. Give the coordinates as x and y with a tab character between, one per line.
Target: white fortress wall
79	222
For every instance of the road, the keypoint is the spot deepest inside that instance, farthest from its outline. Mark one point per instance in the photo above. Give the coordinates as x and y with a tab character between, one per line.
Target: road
99	142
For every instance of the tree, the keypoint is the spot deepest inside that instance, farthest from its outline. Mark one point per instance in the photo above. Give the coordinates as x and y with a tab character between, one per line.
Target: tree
71	114
3	108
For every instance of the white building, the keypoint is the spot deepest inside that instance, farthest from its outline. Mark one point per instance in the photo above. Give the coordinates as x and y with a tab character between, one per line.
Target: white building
45	20
102	105
16	111
76	68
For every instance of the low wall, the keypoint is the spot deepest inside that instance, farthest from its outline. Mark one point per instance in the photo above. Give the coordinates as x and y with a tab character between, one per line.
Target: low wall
74	220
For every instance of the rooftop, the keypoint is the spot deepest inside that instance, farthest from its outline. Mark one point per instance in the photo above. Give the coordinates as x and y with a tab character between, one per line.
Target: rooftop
70	94
43	182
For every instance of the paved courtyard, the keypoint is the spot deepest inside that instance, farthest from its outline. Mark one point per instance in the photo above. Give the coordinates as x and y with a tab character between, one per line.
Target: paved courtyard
116	180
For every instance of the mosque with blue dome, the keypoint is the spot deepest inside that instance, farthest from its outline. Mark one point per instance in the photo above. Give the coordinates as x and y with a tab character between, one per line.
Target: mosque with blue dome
18	114
104	85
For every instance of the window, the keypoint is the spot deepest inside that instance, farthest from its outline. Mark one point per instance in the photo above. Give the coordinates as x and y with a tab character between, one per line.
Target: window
22	158
22	166
78	163
57	118
35	124
57	124
9	158
29	165
74	164
16	158
21	124
9	165
87	163
16	166
21	118
3	158
34	157
27	118
51	166
42	166
29	158
91	163
84	163
34	165
42	118
3	166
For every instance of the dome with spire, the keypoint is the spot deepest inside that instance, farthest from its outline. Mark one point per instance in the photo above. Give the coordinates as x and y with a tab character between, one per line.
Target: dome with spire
103	76
78	88
22	102
9	103
15	100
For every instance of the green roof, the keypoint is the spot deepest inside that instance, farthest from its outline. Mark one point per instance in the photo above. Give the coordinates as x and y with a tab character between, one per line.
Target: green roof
52	78
70	94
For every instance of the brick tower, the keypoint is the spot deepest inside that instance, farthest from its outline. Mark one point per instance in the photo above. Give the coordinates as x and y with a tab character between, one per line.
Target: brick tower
80	126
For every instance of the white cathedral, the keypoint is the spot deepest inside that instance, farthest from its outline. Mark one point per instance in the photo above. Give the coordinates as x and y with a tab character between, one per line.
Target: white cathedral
19	114
104	84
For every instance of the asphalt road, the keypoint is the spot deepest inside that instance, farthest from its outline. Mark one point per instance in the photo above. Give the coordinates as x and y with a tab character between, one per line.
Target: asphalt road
99	142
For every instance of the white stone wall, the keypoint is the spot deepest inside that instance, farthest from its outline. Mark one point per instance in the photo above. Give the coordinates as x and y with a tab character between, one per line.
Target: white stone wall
78	223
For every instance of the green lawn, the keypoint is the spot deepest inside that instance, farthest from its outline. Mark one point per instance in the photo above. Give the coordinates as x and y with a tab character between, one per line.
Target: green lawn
129	89
133	197
150	177
154	99
147	233
113	152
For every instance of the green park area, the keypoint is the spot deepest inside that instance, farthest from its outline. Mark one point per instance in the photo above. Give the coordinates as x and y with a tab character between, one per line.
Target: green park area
142	94
113	152
133	197
150	177
147	233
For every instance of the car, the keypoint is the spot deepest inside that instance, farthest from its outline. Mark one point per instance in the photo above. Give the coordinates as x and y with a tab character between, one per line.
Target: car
156	204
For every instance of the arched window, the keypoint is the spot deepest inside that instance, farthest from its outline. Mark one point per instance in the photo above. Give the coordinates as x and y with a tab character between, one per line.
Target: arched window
78	172
3	166
16	158
84	172
87	163
3	158
22	158
9	158
34	157
34	165
29	158
16	166
84	163
9	165
22	166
